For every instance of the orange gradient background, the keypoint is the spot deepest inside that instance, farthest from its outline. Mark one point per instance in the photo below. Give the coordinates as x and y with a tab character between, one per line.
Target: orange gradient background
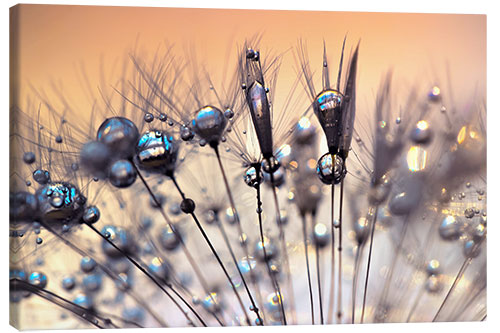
54	40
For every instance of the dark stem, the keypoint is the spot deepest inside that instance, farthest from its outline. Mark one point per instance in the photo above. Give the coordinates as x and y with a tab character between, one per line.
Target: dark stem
283	244
77	310
261	230
332	266
107	271
339	294
304	235
214	252
81	312
368	265
245	247
151	277
235	261
188	255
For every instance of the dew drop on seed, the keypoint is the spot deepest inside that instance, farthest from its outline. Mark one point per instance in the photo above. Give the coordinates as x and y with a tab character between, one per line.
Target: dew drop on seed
29	157
42	177
38	279
229	113
469	213
91	215
87	264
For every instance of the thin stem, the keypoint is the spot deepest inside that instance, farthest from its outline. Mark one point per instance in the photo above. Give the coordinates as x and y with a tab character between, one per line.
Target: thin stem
151	277
214	252
283	245
108	272
188	255
459	276
368	265
270	273
81	312
332	266
77	310
339	294
304	234
235	261
245	246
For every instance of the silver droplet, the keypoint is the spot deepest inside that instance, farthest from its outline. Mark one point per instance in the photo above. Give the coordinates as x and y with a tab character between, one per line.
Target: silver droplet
120	135
321	236
59	202
330	169
156	152
433	284
92	282
209	124
168	239
68	283
91	215
472	248
451	228
434	94
38	279
433	267
469	213
122	174
42	177
148	117
421	133
362	229
120	237
87	264
271	250
251	177
29	157
84	301
379	190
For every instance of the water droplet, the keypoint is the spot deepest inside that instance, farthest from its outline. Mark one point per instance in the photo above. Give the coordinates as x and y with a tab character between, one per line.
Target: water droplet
469	213
29	157
42	177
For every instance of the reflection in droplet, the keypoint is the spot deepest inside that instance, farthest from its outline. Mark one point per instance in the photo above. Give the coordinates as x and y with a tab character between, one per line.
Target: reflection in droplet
416	159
